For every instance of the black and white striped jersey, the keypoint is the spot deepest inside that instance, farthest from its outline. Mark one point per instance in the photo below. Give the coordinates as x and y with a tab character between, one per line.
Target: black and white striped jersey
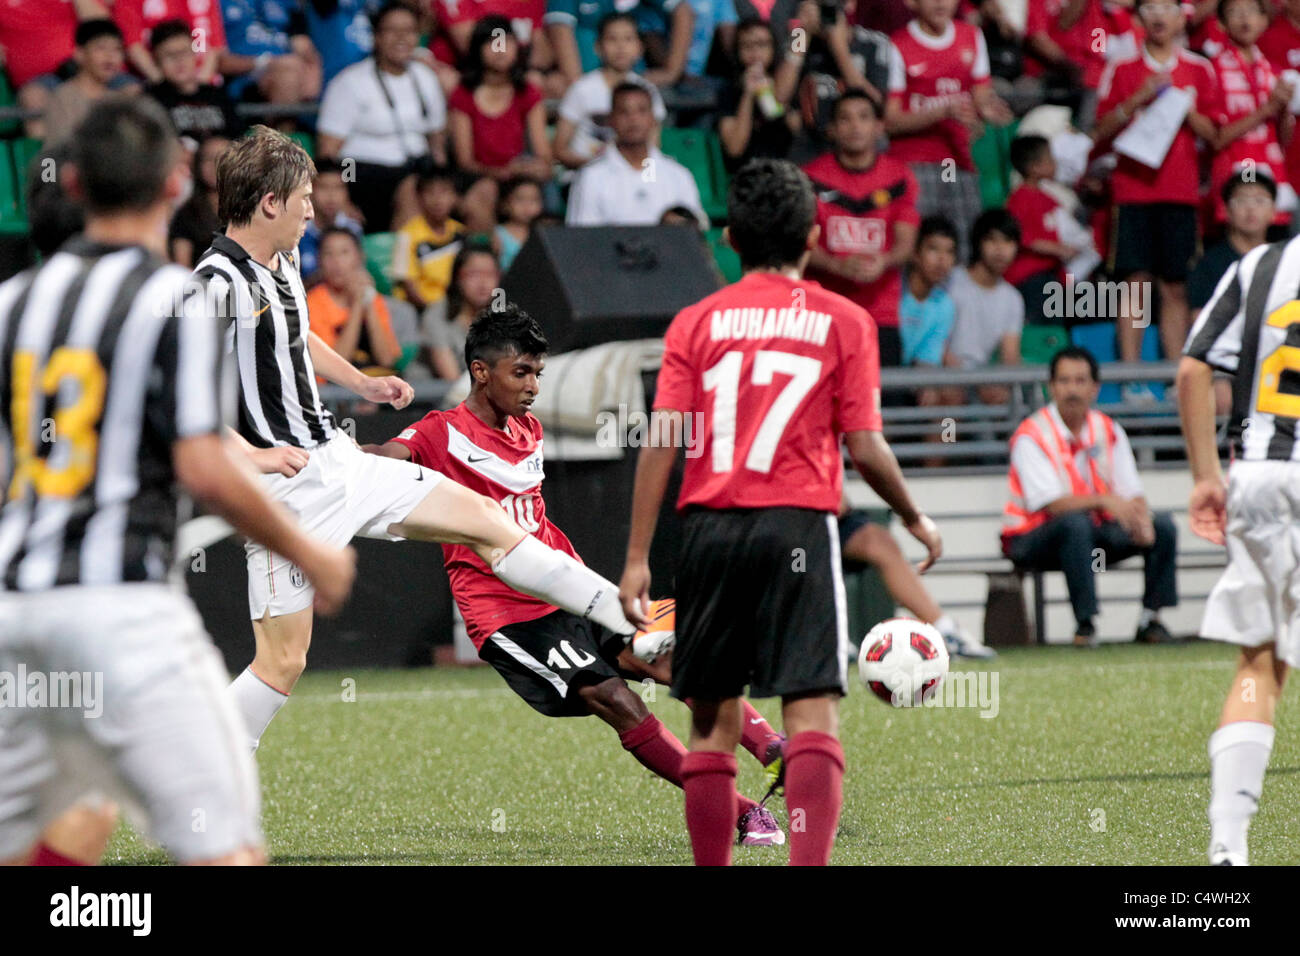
1251	329
266	326
106	359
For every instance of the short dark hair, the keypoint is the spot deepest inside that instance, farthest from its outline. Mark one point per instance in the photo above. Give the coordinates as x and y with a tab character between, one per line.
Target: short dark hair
609	19
853	94
340	231
472	247
936	226
506	331
989	222
328	164
1027	150
509	188
433	173
627	87
169	30
1222	8
53	216
263	161
1077	353
770	210
1244	177
393	6
88	31
123	152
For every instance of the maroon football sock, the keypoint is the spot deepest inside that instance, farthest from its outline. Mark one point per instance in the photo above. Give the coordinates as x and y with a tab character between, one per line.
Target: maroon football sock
710	785
658	750
46	855
757	735
814	780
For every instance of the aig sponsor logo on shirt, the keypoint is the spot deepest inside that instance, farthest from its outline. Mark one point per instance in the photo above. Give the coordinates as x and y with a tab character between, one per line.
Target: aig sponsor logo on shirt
851	234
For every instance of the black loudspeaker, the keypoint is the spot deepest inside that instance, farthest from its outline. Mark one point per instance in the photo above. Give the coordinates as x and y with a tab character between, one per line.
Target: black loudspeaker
591	284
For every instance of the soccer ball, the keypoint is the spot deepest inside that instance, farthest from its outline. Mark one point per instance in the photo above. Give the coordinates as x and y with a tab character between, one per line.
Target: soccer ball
903	661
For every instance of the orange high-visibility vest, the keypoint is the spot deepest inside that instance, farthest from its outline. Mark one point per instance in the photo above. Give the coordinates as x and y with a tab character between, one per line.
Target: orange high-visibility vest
1059	446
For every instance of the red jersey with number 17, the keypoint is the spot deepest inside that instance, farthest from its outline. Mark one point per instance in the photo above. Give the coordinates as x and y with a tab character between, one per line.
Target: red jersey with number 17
506	466
773	371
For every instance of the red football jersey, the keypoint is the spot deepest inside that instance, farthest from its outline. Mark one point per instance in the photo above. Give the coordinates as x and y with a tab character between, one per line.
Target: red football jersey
1244	86
137	18
857	211
525	17
926	70
1178	178
772	371
1035	211
1084	43
507	467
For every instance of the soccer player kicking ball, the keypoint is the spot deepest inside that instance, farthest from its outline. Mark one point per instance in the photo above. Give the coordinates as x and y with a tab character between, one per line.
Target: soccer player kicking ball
561	664
1249	330
778	370
264	184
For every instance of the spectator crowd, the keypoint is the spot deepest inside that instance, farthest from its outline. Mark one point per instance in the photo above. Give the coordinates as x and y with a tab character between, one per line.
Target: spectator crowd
972	160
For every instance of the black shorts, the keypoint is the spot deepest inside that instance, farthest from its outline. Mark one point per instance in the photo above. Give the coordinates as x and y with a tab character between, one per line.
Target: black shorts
1158	238
546	660
849	525
760	602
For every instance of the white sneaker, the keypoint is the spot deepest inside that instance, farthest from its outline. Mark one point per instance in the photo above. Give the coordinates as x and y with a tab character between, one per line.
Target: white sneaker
1221	856
961	644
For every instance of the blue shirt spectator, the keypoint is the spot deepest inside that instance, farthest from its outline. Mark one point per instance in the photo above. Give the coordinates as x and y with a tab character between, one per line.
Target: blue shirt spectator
255	27
709	15
344	37
924	326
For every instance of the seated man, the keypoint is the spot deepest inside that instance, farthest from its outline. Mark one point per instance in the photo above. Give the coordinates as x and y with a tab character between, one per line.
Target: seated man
1075	496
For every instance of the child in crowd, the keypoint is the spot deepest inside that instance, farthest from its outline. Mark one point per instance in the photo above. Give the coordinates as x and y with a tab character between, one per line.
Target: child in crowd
346	311
1041	255
926	312
582	130
99	56
989	311
521	204
476	275
427	244
197	108
329	200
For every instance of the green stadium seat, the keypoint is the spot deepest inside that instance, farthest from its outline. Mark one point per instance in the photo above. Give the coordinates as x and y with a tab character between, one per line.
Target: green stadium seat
7	99
1038	343
306	140
727	259
992	156
695	149
25	150
12	219
378	247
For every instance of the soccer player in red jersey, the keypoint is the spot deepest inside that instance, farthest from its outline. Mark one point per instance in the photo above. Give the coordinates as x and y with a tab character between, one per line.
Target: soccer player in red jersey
780	372
561	664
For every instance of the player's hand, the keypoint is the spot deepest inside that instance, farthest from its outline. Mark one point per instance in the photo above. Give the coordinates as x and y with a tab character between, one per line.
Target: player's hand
634	593
1280	99
389	388
1150	89
281	460
331	571
923	529
996	111
1207	510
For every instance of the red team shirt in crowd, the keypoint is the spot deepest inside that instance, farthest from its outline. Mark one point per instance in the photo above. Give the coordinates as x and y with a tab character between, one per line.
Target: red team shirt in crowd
1084	43
37	36
1280	44
1036	212
775	370
524	15
497	139
137	18
928	70
507	468
857	212
1177	180
1244	86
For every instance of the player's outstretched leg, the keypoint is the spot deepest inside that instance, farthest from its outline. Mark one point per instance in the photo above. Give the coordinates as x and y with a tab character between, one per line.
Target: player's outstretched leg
453	514
814	776
644	736
263	687
1239	752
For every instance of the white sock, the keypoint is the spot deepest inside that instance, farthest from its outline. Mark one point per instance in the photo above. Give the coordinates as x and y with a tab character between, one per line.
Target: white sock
532	568
1239	754
946	625
257	703
1147	616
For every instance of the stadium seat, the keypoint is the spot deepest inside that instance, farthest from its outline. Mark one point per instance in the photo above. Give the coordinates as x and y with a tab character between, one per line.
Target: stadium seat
25	150
695	149
1099	339
306	140
1038	343
378	247
8	127
727	259
992	156
12	219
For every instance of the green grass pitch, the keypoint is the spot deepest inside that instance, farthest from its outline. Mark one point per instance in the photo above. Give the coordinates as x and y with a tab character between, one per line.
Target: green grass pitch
1094	757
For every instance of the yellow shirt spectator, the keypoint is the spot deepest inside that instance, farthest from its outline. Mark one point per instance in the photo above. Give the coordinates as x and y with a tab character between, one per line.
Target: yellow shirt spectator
422	258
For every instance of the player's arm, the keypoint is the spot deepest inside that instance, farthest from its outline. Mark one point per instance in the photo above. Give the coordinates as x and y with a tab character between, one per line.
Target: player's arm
875	461
1207	509
389	449
335	368
284	460
653	466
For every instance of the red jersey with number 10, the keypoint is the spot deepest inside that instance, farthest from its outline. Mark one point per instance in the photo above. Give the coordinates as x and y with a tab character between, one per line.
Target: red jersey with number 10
506	466
773	371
